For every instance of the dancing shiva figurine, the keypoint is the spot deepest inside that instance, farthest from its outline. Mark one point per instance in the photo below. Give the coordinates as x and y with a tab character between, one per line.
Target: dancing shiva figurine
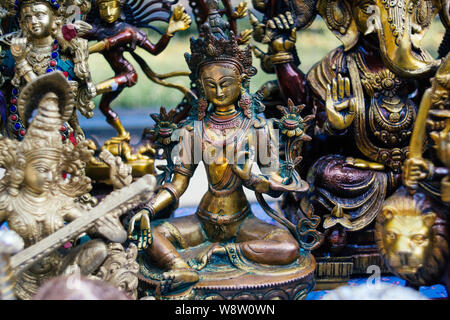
117	32
224	132
117	28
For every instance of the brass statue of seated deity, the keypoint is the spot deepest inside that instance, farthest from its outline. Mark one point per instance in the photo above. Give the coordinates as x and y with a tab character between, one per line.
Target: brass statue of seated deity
365	94
223	248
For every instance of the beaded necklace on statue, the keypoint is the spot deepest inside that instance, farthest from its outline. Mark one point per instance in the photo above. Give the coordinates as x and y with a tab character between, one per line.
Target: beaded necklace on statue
16	123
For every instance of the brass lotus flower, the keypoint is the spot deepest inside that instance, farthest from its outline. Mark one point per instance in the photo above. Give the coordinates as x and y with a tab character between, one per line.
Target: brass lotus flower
292	124
164	126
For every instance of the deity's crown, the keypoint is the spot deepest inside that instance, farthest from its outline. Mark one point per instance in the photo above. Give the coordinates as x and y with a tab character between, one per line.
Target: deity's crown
52	96
14	6
219	44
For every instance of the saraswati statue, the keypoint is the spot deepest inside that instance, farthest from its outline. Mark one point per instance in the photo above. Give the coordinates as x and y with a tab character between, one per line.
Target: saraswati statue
44	187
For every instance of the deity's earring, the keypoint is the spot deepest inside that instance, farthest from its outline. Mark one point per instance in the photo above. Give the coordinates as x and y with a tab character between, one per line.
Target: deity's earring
202	107
245	103
202	103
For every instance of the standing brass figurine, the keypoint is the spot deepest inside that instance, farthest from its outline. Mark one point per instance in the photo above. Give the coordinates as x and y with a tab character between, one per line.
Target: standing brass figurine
44	44
117	32
224	132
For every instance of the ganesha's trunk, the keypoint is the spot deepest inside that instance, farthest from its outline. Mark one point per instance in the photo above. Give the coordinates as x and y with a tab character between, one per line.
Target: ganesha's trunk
394	35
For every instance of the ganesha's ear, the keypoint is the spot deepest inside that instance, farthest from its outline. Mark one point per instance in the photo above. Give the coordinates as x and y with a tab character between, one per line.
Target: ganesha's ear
338	17
429	219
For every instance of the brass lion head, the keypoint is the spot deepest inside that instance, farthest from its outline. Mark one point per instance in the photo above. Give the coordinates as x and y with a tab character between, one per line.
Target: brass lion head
411	238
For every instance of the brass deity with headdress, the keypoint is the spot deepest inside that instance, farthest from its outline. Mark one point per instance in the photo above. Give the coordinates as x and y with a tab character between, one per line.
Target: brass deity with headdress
46	43
43	181
225	133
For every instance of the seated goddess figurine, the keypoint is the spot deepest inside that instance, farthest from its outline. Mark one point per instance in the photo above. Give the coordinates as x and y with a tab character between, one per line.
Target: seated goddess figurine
35	198
224	132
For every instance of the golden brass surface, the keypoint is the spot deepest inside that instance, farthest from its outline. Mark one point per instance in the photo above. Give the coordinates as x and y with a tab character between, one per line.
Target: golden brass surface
434	103
411	231
41	26
180	254
109	10
43	188
141	160
411	240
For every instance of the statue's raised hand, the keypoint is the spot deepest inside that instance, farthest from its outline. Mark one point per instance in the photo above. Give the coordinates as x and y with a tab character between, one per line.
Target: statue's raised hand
240	11
19	48
415	170
259	28
179	21
340	103
281	33
245	36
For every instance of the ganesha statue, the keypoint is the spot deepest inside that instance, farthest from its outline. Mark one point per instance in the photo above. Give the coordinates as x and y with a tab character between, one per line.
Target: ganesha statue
365	96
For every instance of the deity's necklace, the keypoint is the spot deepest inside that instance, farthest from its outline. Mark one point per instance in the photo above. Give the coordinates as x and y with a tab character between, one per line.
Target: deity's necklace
223	124
234	122
384	80
16	124
396	126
